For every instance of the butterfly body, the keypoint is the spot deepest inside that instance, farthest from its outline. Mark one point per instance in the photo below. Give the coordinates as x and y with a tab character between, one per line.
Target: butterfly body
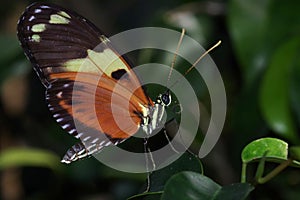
90	89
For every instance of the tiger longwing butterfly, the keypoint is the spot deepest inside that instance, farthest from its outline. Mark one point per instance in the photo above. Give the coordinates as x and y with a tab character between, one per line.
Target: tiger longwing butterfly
58	41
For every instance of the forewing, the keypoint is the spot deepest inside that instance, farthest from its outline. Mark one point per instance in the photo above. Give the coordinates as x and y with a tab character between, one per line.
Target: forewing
73	59
58	40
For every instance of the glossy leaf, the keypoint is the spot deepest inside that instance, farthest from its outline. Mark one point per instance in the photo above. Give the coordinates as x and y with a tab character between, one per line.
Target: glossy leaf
158	179
186	162
275	96
235	191
277	150
190	185
266	149
194	186
295	153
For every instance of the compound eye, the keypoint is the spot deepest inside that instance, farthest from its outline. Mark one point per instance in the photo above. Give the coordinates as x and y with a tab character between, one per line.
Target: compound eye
166	99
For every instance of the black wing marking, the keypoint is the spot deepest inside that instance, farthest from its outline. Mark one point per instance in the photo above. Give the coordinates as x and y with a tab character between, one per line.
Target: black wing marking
48	43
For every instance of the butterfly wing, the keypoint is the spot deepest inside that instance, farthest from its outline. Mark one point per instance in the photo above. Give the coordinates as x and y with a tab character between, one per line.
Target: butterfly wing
88	84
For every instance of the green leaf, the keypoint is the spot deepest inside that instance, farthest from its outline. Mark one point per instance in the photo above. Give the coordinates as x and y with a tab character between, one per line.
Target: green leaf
19	157
247	22
186	162
146	196
190	185
295	154
275	97
235	191
294	90
250	24
266	149
277	150
158	179
194	186
258	29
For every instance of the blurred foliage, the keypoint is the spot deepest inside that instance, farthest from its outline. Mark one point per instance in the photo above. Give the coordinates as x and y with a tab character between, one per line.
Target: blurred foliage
259	63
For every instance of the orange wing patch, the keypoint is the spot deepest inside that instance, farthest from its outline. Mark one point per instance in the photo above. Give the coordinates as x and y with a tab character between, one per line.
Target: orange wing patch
117	114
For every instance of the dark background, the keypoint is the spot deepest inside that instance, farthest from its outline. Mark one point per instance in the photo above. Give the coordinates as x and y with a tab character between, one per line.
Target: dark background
258	60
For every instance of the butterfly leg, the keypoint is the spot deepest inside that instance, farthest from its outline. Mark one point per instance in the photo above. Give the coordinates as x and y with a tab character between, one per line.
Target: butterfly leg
169	142
170	130
147	150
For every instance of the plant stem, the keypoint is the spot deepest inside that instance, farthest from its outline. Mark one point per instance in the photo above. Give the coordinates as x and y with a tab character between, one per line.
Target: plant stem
243	174
274	172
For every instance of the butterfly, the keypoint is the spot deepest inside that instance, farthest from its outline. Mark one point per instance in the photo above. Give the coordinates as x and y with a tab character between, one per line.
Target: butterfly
62	46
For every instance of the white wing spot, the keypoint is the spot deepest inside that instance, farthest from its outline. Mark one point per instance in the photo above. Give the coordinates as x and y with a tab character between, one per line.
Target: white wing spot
59	120
56	115
66	126
82	156
72	131
31	18
108	143
73	157
66	85
37	10
95	140
80	152
59	95
86	138
91	148
65	161
45	7
79	135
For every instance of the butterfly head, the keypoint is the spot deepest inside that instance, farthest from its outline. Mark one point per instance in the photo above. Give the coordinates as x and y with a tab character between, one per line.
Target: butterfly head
164	99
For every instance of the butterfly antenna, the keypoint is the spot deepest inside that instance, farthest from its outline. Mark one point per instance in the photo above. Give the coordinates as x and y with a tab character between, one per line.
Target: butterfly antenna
197	61
175	55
